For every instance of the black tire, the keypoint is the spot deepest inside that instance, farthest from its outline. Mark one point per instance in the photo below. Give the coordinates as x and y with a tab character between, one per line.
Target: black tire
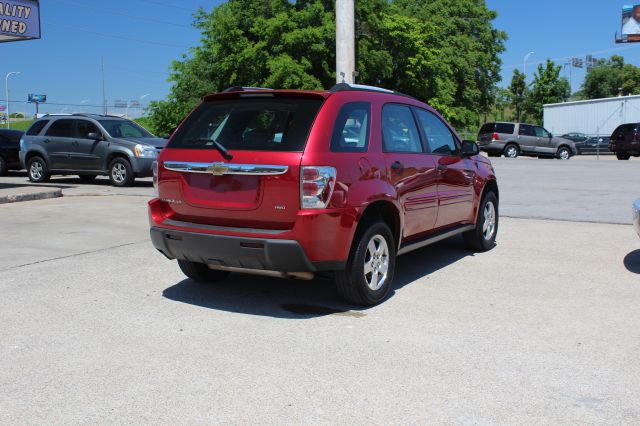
563	153
477	239
87	178
622	156
4	169
353	283
200	272
37	170
120	172
511	151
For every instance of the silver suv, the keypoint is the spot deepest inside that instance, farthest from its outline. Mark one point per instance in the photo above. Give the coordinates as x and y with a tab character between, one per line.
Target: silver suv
89	145
513	139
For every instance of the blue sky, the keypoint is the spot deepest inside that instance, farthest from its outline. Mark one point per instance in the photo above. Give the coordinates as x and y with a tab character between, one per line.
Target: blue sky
139	38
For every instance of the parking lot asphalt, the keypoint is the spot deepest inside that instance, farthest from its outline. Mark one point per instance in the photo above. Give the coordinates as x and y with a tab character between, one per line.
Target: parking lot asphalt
100	328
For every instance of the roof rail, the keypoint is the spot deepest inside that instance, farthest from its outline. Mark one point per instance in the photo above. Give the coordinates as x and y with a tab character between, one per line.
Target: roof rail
243	89
62	114
343	87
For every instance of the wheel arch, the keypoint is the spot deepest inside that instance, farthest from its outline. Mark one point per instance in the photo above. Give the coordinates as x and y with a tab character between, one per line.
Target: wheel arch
117	154
381	210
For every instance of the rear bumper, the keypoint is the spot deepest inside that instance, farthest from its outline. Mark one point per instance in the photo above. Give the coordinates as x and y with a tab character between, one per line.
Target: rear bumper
491	146
239	252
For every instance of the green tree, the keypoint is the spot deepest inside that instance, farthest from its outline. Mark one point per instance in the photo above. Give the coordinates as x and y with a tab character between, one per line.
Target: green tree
610	78
547	88
519	93
444	54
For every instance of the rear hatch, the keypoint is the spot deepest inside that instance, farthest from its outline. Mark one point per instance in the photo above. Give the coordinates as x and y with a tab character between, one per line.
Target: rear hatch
494	132
484	135
235	161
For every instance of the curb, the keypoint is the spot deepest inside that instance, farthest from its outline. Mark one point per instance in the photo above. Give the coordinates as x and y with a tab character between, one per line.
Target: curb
43	195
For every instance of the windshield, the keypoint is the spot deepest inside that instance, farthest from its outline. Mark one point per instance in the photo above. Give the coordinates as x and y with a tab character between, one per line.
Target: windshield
256	124
124	129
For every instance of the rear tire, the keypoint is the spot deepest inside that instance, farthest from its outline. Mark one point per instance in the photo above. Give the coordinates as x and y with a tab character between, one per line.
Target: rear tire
622	156
511	151
37	170
4	169
563	153
200	272
120	172
368	276
483	237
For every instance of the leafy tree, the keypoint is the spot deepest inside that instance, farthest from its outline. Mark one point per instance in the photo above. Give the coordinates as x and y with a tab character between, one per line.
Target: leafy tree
610	78
519	93
547	88
445	53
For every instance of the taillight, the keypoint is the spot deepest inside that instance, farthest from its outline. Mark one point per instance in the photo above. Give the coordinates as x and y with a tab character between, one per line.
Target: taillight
155	178
495	137
316	186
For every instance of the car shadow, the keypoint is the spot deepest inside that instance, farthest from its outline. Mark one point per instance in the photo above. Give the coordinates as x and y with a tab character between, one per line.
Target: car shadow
295	299
632	262
72	181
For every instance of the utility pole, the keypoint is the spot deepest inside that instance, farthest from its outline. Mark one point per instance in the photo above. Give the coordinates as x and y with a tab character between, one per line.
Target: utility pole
104	96
6	87
345	41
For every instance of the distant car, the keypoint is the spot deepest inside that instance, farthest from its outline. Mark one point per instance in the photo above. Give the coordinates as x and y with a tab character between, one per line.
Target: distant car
576	137
89	145
625	141
9	147
636	216
513	139
594	145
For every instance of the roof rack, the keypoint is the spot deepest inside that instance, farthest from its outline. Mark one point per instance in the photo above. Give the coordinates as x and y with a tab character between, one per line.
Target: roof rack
243	89
343	87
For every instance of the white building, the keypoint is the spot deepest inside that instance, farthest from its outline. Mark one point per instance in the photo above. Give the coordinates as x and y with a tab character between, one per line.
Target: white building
592	117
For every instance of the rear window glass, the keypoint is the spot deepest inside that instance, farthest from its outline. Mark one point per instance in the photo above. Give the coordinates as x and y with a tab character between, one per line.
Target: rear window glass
36	127
260	124
505	128
626	128
487	128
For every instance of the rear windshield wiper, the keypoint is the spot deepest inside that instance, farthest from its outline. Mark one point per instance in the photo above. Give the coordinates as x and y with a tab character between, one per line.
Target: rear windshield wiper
226	154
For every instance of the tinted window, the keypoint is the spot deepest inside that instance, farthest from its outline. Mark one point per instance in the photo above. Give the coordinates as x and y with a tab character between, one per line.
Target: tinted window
399	131
61	128
526	130
124	129
541	133
262	124
36	127
351	131
627	129
505	128
84	127
439	138
487	128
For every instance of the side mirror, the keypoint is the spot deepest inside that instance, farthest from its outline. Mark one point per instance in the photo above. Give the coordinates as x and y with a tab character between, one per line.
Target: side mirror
470	148
95	136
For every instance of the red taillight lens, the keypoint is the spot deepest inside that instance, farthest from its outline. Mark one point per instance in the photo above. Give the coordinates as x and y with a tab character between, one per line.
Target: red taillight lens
316	186
495	137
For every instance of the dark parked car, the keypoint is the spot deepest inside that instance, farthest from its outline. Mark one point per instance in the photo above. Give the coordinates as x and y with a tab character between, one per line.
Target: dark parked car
513	139
290	183
594	145
575	136
625	141
89	145
9	147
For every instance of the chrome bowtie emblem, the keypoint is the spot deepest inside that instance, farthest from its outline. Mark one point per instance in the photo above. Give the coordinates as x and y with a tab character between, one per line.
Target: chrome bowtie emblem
218	168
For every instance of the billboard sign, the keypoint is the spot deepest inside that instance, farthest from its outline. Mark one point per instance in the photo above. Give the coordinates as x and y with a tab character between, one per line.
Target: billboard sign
37	98
19	20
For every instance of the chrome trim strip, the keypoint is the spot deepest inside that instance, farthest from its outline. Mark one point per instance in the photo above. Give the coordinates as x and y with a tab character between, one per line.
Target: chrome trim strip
434	239
226	168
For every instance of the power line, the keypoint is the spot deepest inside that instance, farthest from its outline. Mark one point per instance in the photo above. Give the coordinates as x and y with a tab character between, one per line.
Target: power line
138	40
140	18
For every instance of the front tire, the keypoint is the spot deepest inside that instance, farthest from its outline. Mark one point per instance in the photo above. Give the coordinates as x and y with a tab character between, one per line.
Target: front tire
511	151
368	276
38	170
120	172
563	153
622	156
483	237
200	272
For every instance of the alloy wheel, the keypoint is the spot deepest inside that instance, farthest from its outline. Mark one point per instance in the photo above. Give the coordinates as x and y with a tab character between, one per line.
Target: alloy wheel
489	224
376	262
36	170
119	172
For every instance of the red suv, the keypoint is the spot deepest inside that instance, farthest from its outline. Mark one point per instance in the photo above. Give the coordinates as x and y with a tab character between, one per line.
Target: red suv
289	183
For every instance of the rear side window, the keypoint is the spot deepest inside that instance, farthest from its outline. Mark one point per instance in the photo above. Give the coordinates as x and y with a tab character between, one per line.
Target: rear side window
260	124
508	128
351	131
36	127
526	130
399	131
61	128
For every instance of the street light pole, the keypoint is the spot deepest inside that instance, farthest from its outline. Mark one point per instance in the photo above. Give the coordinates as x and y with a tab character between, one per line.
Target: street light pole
524	66
345	41
6	87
